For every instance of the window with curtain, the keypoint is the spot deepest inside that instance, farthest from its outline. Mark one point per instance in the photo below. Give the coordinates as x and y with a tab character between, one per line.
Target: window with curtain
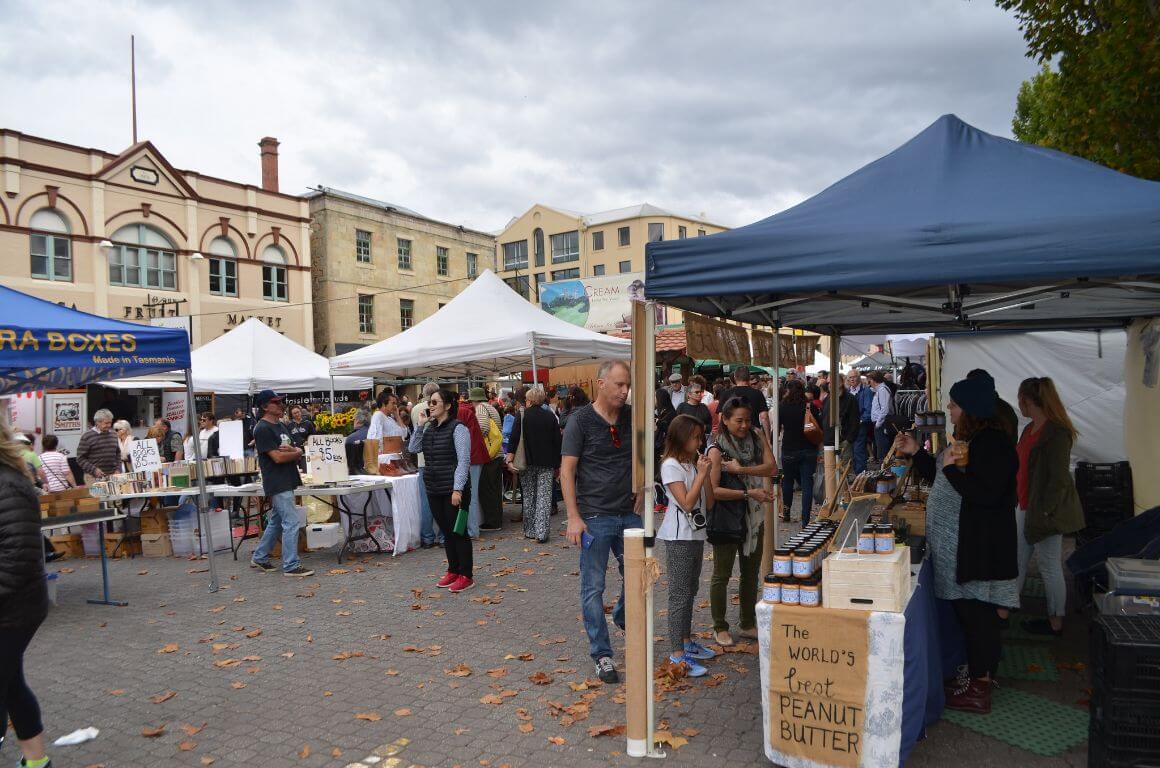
625	266
598	241
442	260
472	264
223	267
656	232
49	246
275	276
566	247
623	236
143	257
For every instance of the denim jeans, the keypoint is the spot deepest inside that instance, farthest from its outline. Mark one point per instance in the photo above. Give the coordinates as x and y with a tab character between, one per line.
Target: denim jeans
474	512
799	466
882	442
282	520
429	532
860	438
1049	556
607	534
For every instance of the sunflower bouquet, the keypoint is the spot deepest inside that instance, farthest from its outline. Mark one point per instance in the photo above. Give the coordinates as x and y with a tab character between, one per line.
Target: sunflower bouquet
340	423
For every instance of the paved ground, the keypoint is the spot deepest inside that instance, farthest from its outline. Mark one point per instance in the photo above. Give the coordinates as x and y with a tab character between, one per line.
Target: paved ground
326	671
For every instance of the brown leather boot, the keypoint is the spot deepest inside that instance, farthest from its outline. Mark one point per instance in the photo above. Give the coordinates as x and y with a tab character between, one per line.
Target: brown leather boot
975	698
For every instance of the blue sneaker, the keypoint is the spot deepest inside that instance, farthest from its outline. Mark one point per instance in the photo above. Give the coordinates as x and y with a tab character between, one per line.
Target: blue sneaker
695	650
695	669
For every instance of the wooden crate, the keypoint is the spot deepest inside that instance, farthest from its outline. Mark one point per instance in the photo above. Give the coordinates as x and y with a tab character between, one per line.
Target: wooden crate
155	520
68	544
914	514
867	582
130	547
156	545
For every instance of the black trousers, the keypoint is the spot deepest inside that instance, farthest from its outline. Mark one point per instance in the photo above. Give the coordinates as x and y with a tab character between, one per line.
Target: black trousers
458	547
16	698
981	629
491	494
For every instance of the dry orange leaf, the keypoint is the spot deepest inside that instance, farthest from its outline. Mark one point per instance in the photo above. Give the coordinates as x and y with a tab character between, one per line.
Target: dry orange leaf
402	712
226	663
170	648
117	692
162	697
344	655
187	746
255	633
540	678
606	730
304	752
338	571
192	730
523	714
459	670
207	760
520	657
491	698
559	741
336	752
667	737
497	672
153	733
578	686
526	727
372	717
237	685
251	658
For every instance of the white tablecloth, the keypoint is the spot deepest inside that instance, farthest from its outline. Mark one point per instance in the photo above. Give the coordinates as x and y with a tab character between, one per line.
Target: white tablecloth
395	520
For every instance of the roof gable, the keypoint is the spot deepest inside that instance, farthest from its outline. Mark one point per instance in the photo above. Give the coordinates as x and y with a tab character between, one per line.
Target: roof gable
143	167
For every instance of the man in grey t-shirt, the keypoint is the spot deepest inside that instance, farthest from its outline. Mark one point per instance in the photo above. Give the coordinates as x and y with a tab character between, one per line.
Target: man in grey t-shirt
596	478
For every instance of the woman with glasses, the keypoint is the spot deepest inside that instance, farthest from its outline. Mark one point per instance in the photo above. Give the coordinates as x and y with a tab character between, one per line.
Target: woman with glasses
446	447
742	464
207	435
125	440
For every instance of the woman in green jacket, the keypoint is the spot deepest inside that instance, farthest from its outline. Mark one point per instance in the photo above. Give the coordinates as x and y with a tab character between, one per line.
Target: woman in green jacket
1048	503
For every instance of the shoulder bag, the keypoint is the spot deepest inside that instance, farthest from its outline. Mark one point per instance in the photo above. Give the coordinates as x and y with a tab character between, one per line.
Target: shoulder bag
725	523
810	427
520	459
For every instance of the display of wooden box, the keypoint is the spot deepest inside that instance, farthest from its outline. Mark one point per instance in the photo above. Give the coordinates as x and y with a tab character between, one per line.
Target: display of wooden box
156	545
68	544
88	505
60	508
867	582
130	547
912	513
154	521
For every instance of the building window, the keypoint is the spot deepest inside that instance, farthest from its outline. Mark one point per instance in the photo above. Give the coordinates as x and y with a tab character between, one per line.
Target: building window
566	274
566	247
538	241
366	314
49	246
625	266
700	233
275	282
223	268
598	270
406	313
472	264
519	284
682	232
404	248
441	261
656	232
622	234
598	241
515	255
362	246
142	257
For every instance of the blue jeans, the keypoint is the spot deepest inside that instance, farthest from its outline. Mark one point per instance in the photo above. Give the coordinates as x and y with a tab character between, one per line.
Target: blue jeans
474	513
429	533
860	447
282	520
607	536
799	466
882	443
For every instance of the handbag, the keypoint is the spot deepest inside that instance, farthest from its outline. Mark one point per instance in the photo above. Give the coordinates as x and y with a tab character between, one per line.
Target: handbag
811	429
520	460
726	522
493	435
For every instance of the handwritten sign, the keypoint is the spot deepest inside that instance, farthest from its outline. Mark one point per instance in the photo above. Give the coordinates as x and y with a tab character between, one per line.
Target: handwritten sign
144	455
708	339
817	684
326	458
804	348
762	347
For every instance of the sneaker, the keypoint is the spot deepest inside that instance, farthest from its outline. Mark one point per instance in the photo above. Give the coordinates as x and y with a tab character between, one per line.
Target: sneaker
24	762
263	567
448	579
461	584
299	571
695	650
491	527
694	669
606	671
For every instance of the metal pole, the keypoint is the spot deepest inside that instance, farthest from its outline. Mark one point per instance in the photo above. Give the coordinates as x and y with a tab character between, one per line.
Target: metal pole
837	386
332	394
535	373
773	511
650	386
202	495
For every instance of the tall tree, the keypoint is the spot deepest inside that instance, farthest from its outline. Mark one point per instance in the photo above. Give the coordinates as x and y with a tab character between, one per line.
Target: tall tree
1102	101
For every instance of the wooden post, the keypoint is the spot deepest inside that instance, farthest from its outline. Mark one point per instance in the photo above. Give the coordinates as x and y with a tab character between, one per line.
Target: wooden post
773	511
835	405
831	469
933	387
636	646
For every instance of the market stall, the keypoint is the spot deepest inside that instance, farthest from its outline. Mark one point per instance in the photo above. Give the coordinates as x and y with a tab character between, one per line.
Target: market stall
955	231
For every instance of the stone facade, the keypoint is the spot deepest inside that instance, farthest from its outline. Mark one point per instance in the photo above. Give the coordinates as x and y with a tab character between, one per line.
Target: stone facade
355	243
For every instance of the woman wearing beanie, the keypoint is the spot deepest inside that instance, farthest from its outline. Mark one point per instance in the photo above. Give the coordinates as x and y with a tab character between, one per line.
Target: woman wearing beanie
1048	503
971	529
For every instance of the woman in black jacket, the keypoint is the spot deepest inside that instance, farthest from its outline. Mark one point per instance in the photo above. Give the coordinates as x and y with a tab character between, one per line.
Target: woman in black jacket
23	597
540	434
971	529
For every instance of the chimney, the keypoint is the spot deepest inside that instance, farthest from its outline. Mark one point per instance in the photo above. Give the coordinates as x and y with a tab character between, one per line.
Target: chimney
269	147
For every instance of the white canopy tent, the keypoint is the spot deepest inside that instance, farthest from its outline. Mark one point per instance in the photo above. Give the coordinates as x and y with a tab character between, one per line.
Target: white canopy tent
253	357
488	329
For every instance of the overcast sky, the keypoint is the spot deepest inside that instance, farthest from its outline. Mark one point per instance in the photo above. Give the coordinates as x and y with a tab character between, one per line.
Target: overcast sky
472	111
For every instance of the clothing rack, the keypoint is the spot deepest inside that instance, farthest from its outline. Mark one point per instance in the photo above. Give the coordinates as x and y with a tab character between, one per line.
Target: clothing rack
908	402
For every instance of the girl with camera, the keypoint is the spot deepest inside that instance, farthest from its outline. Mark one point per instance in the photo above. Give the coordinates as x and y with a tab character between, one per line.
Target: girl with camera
685	475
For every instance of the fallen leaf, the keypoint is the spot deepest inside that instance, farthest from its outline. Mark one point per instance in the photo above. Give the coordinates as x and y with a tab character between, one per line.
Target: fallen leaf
192	730
239	599
1034	668
198	570
251	658
170	648
461	731
327	693
338	571
667	737
540	678
187	746
304	752
606	730
117	692
153	733
372	717
520	657
491	698
578	686
342	613
523	714
526	727
237	685
344	655
207	760
288	654
402	712
255	633
217	609
392	673
163	697
559	741
497	672
459	670
142	573
336	752
226	663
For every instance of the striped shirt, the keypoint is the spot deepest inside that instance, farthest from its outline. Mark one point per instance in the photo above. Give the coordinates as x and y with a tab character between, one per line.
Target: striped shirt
56	471
99	450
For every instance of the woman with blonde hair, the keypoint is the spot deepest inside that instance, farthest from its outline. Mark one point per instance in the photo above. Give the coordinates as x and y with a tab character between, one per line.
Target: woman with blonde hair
1049	505
23	597
124	432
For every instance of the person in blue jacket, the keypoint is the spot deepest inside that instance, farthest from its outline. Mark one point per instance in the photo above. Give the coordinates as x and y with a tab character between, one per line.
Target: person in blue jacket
864	396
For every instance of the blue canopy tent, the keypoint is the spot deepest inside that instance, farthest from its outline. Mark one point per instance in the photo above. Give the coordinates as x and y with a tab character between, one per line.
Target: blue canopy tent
954	230
44	345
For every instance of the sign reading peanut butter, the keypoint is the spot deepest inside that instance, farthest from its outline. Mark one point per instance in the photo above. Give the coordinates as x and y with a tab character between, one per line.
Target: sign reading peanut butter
817	684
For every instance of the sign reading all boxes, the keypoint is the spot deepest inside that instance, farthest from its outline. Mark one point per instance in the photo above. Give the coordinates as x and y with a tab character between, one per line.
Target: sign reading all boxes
144	455
326	458
817	684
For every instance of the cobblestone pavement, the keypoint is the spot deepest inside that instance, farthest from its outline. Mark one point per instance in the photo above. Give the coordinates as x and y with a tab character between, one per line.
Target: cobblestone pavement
367	663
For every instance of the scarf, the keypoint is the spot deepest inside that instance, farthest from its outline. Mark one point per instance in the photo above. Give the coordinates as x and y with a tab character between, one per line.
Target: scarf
748	453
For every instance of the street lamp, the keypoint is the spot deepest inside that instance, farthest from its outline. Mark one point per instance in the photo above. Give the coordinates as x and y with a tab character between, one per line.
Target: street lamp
195	256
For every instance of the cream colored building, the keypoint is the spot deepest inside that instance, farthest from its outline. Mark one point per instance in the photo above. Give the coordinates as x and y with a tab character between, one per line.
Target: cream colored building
379	268
128	236
547	244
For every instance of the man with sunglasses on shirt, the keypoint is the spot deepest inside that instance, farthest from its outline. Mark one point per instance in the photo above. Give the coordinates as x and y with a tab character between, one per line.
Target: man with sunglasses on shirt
596	478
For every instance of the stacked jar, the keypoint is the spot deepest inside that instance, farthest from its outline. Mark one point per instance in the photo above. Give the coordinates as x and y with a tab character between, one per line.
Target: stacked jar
797	566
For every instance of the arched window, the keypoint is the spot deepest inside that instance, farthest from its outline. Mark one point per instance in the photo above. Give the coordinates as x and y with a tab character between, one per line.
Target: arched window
275	285
49	246
223	267
538	246
142	257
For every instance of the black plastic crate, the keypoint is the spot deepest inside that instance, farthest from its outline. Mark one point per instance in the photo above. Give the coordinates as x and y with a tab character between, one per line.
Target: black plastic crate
1125	728
1089	475
1101	755
1125	657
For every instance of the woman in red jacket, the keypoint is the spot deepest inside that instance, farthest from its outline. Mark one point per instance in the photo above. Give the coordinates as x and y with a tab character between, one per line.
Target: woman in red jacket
479	457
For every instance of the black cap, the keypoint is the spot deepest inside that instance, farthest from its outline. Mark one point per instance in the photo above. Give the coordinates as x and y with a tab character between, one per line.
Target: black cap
266	396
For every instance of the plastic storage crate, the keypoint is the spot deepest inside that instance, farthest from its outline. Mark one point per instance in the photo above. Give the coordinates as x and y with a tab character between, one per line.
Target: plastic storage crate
1124	733
1125	656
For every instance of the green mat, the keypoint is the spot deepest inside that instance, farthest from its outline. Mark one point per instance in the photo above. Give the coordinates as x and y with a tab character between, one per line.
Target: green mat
1027	662
1016	632
1033	587
1029	722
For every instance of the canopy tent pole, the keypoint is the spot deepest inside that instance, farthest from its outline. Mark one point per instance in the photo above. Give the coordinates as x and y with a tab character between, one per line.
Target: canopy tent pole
332	393
835	406
535	372
202	495
773	511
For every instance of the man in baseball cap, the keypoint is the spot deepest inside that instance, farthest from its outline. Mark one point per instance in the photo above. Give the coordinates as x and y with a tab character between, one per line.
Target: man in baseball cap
278	460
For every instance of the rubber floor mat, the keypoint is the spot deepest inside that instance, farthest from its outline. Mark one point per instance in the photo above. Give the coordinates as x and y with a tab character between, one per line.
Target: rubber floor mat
1027	662
1029	722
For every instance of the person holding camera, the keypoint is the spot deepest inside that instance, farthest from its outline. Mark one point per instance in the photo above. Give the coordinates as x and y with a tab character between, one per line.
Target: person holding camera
685	475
